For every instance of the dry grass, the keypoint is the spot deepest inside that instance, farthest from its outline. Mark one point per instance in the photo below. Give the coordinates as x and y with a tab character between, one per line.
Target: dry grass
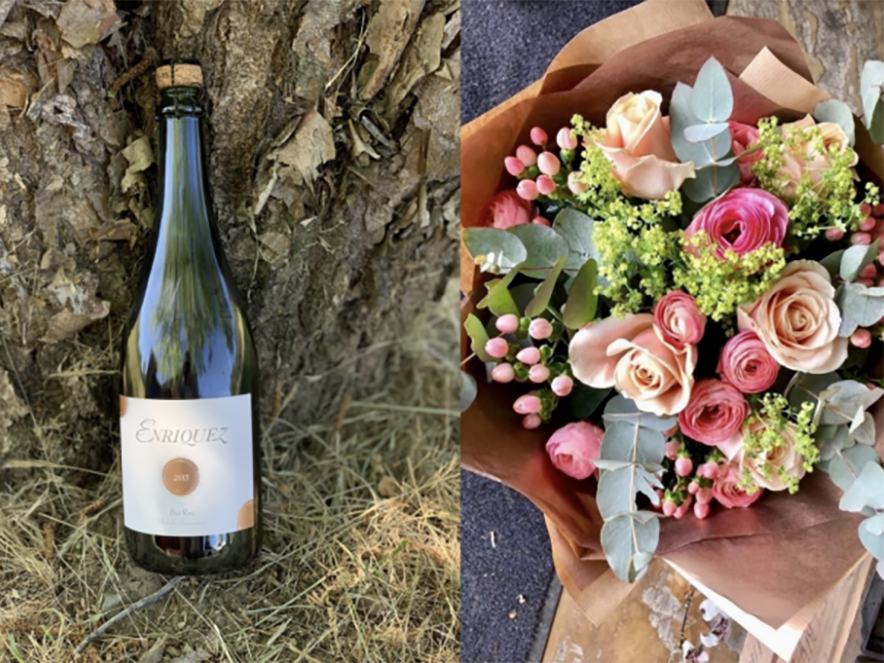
361	554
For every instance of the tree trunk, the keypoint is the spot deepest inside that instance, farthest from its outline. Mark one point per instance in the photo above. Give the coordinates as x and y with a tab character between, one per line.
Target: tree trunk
333	158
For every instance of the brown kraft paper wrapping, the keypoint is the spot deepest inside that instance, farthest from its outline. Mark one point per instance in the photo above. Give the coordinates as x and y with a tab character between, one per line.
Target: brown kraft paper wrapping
786	551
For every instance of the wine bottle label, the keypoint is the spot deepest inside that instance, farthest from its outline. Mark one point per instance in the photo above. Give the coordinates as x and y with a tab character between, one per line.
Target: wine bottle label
187	465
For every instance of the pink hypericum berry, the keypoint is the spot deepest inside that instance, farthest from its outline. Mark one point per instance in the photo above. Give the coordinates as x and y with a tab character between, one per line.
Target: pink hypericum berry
867	224
531	421
704	495
527	189
701	509
878	210
526	155
574	183
538	136
540	329
514	166
693	487
497	347
538	373
507	324
834	234
565	139
881	257
669	432
549	163
562	385
860	239
672	448
866	282
669	508
708	470
545	185
869	271
683	509
528	404
541	221
529	355
865	208
503	373
861	338
683	466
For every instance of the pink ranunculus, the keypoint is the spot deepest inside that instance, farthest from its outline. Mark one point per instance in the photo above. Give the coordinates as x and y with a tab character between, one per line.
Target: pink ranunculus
637	142
744	136
629	354
714	414
505	210
726	489
574	448
746	363
742	220
679	320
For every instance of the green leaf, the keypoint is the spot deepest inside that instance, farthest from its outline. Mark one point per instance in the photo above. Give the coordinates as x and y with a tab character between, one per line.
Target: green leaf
582	301
865	305
700	133
874	543
832	262
711	98
832	110
494	250
577	228
876	524
624	409
498	298
809	387
832	439
544	291
478	337
711	182
468	390
856	258
846	465
544	247
584	401
629	544
872	92
680	118
866	490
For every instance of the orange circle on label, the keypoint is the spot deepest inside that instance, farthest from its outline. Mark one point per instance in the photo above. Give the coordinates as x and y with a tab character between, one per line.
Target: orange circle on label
181	476
124	405
246	516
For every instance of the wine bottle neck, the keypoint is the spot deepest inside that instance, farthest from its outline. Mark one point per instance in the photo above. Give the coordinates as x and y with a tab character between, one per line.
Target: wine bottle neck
184	199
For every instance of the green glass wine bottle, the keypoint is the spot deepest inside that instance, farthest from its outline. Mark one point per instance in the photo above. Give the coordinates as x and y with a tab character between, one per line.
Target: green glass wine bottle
189	436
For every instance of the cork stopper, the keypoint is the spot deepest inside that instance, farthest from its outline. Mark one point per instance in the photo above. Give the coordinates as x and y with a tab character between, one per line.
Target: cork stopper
188	75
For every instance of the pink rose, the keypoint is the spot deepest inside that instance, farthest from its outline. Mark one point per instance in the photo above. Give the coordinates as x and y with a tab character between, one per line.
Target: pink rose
742	220
630	355
726	489
678	320
505	210
804	157
714	414
798	320
746	363
637	142
744	136
574	447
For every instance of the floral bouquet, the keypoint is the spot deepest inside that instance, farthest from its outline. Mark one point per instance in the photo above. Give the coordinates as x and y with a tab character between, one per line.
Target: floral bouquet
676	312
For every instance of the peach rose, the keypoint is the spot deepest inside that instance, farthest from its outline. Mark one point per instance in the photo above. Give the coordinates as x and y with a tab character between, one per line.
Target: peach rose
715	414
726	489
574	447
766	467
630	355
798	319
637	142
805	158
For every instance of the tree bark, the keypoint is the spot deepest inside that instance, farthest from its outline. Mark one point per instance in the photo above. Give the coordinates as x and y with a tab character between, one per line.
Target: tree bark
333	157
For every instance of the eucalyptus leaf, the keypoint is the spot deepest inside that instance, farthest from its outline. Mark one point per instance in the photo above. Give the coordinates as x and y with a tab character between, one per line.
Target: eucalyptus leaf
680	118
872	92
577	228
875	524
865	305
809	387
619	538
832	110
856	258
700	133
620	408
468	390
712	99
874	543
865	432
625	441
846	465
617	489
493	249
867	490
544	248
832	262
584	400
832	439
582	301
545	290
498	298
478	337
604	464
711	182
845	399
